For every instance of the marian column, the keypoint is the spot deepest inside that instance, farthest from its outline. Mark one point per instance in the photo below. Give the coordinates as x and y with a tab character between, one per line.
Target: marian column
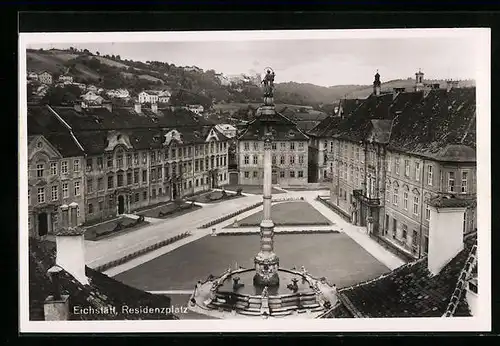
266	261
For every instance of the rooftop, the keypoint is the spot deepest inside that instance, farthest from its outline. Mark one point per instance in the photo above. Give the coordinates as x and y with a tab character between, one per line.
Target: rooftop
102	291
408	291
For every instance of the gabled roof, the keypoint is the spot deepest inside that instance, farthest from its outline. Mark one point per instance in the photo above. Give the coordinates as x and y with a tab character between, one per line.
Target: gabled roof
102	291
409	291
283	128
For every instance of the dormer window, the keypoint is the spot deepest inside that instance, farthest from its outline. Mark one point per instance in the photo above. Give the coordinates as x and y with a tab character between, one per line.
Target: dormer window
156	138
119	137
39	144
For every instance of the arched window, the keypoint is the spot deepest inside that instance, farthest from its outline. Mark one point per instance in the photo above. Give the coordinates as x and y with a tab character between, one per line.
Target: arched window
416	202
427	197
405	197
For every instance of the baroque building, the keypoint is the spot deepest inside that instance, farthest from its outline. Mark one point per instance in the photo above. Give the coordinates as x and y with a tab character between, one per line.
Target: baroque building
113	161
289	152
396	151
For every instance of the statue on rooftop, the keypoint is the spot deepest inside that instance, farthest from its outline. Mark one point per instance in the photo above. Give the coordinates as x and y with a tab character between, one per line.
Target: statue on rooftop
268	82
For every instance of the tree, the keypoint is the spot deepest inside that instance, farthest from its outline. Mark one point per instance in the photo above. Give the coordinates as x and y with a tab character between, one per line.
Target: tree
60	96
97	53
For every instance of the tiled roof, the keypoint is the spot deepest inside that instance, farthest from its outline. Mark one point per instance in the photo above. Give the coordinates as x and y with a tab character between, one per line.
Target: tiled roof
283	128
442	118
409	291
452	201
102	291
64	143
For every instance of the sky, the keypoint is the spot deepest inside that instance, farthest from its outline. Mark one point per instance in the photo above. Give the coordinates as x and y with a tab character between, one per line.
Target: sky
324	62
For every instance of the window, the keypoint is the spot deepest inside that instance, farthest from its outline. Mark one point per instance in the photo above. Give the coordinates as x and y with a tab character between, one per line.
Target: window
41	195
405	200
301	145
144	176
283	146
91	208
387	194
427	212
292	174
405	232
53	168
246	146
292	160
300	174
119	180
416	203
110	182
119	160
76	185
144	195
273	159
100	184
109	161
282	174
255	159
395	196
388	163
451	181
292	145
153	193
331	145
99	162
39	170
255	145
246	160
54	193
65	190
153	156
90	186
463	187
429	175
426	245
282	160
159	171
129	178
153	174
255	174
129	160
145	157
417	171
247	175
76	165
407	168
273	145
64	167
189	151
414	238
394	228
396	162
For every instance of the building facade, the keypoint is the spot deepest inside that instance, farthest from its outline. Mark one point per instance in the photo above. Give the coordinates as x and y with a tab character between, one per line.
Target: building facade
45	77
55	178
396	152
289	152
130	158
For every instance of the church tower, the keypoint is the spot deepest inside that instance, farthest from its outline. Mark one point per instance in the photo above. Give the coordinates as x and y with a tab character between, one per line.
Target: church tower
419	81
376	84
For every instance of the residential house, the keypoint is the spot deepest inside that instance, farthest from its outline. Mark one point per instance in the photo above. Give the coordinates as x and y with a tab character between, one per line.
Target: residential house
148	96
396	151
164	96
289	151
65	79
228	130
136	157
197	109
91	98
32	76
92	88
45	77
118	93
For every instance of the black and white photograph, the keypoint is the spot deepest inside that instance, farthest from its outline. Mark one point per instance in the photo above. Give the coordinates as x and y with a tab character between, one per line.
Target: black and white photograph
302	180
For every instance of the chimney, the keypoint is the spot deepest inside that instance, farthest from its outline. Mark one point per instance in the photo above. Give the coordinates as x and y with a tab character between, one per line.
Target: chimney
137	108
396	91
446	231
376	84
154	108
70	244
109	106
56	305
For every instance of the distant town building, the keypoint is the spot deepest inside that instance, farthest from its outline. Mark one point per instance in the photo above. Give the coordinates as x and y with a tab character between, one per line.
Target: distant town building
154	96
118	93
223	79
228	130
92	88
91	98
65	79
32	76
45	77
193	69
197	109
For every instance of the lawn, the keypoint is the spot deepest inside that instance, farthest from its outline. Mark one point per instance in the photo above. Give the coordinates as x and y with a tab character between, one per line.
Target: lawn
168	208
253	189
336	256
288	214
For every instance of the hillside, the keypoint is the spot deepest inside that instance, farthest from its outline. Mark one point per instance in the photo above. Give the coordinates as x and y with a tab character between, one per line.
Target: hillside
200	87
